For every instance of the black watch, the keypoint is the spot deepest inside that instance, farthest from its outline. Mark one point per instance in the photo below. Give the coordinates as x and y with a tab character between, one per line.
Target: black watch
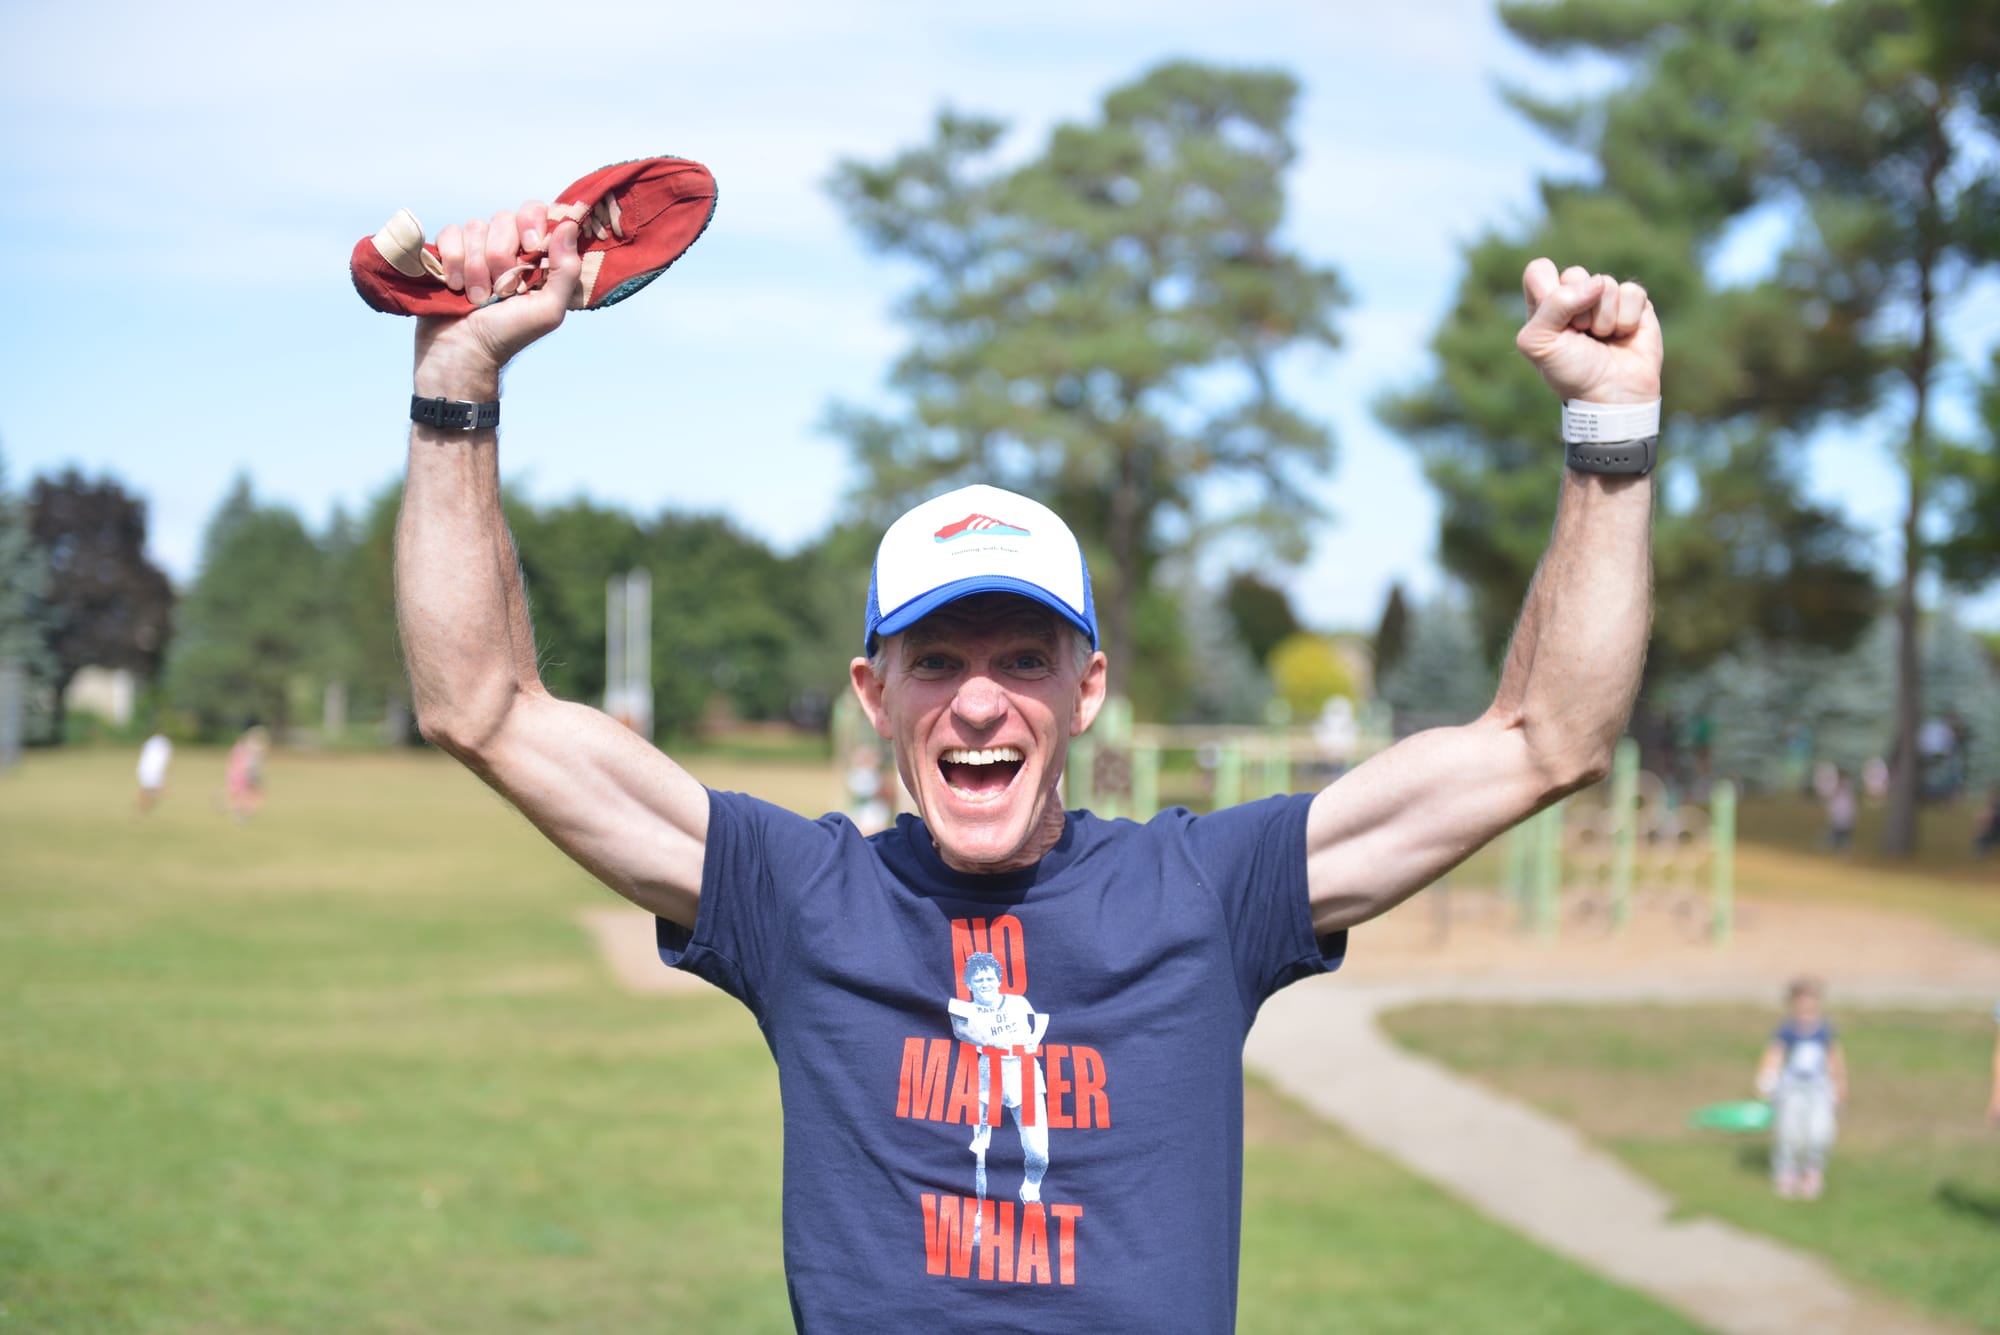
1630	458
454	414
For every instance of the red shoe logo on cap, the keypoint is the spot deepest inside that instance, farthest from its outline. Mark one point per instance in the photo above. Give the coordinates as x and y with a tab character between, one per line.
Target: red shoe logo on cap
976	523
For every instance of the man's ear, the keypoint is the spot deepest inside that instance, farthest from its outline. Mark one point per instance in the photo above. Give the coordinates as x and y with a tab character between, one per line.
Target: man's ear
1089	694
869	692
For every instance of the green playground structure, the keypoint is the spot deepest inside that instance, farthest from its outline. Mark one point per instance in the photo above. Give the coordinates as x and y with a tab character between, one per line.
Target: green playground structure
1592	860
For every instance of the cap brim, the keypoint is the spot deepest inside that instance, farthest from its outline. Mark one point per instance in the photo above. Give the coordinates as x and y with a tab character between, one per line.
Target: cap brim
910	613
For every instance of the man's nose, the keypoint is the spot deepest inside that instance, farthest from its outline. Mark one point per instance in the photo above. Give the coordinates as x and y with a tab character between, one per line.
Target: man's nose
980	703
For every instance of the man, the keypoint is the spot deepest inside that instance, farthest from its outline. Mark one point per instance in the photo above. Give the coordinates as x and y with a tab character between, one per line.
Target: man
1156	943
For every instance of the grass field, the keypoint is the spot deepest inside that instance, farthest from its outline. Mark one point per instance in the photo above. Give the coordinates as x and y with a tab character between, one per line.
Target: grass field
1913	1197
354	1066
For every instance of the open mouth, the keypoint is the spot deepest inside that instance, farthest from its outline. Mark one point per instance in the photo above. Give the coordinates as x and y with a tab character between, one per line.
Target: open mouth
980	775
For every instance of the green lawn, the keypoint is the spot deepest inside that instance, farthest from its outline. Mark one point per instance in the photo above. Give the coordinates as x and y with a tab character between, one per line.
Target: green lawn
354	1067
1913	1196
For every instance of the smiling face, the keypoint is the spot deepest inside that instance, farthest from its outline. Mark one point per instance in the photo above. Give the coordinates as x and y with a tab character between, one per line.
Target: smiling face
985	986
980	700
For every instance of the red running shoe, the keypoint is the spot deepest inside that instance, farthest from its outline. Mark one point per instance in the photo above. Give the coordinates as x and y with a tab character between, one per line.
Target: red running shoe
635	219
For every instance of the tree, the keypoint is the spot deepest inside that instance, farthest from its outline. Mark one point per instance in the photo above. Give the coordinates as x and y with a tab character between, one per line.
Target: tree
254	625
1261	613
24	579
1969	553
1853	121
1392	633
1886	130
1099	325
1762	692
366	653
1442	676
1225	682
1307	670
732	621
108	606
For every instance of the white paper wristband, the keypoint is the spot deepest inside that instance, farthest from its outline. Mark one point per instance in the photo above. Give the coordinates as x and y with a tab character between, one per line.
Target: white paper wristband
1608	423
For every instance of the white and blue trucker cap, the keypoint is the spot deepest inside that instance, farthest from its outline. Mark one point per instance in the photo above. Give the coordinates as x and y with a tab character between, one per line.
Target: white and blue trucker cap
977	539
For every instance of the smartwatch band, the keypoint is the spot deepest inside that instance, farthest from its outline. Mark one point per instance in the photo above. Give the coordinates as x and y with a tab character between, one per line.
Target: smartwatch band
1630	458
454	414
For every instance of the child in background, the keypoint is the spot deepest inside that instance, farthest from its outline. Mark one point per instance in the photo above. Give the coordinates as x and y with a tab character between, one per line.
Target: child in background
154	757
1804	1075
1842	806
1993	1102
243	778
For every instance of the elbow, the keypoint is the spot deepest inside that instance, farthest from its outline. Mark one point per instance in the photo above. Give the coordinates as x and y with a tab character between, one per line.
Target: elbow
1592	767
466	733
1561	761
1571	769
452	734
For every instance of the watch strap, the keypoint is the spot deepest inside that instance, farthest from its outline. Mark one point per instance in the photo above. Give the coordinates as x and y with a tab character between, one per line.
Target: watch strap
454	414
1629	458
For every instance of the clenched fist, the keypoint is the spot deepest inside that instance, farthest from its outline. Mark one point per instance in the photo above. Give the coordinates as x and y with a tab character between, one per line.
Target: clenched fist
1591	336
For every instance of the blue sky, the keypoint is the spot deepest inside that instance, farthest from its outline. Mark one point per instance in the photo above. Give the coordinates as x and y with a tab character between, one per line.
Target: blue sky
185	184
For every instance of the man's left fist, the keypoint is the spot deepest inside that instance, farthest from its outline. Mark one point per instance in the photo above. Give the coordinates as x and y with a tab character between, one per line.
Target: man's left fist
1591	336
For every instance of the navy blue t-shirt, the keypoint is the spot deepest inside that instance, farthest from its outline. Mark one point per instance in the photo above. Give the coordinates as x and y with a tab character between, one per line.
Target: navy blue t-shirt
924	1114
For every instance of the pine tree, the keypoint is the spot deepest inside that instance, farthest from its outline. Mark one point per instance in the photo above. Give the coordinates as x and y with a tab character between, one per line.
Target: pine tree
1069	306
24	618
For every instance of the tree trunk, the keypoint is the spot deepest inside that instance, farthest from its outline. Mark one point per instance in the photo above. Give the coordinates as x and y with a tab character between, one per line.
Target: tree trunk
1899	831
58	711
1119	613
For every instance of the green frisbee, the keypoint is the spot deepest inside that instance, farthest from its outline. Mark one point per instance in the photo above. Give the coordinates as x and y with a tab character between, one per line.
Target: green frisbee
1738	1115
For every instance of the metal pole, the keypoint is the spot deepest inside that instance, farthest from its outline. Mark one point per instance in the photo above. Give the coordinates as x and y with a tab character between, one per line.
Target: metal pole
614	646
1624	826
1514	869
1114	729
1277	761
639	650
1077	773
1145	780
1229	774
13	709
1548	871
1722	856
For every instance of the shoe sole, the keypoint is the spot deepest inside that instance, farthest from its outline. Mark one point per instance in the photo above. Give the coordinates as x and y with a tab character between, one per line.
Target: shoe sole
396	272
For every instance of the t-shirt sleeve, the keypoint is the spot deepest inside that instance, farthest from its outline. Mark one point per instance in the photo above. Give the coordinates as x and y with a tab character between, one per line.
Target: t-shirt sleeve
1253	857
755	856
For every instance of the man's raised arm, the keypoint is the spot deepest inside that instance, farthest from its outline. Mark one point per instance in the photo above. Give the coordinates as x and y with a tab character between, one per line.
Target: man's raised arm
605	796
1410	814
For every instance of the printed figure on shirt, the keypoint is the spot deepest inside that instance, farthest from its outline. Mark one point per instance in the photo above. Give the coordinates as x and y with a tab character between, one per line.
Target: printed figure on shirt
991	1021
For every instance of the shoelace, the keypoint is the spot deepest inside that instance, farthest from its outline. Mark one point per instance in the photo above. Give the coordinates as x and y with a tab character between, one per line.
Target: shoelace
602	221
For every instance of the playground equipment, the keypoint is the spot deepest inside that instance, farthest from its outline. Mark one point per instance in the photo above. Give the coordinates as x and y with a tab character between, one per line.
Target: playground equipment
1629	845
1122	769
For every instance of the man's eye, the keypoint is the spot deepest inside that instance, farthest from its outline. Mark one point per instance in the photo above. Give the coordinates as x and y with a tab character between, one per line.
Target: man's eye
1031	663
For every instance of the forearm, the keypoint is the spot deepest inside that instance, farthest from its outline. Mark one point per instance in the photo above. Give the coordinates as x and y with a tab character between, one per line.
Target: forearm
1574	663
459	602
